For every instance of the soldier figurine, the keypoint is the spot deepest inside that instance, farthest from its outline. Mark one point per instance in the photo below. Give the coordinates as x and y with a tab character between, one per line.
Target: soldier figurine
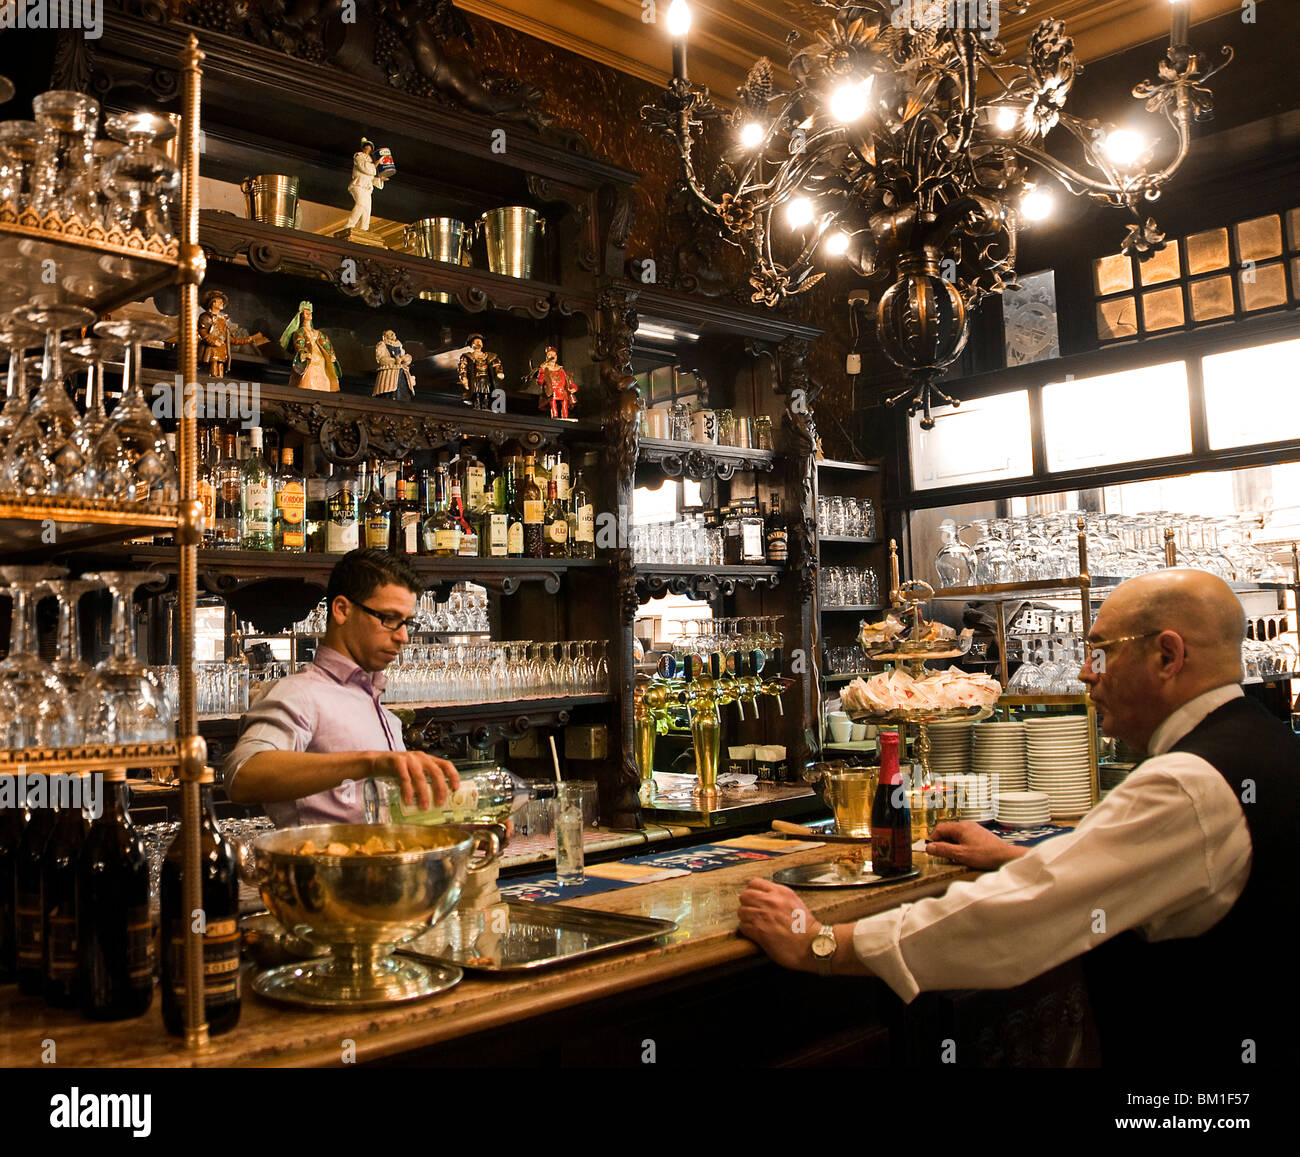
558	388
394	379
478	368
216	334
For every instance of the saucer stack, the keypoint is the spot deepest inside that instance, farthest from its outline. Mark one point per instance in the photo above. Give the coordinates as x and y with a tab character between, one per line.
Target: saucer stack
998	751
1060	764
950	747
1023	809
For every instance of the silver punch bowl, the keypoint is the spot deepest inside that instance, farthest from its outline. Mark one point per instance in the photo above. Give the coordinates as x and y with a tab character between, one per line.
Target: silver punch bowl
361	907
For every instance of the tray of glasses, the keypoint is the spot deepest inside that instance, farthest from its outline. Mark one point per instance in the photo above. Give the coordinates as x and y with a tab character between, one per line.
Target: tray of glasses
518	936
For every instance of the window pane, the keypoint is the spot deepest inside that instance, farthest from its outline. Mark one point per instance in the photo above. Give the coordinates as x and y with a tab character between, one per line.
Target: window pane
1162	309
1117	319
1123	417
1211	298
980	441
1295	279
1251	395
1207	251
1113	274
1293	230
1260	239
1161	267
1263	288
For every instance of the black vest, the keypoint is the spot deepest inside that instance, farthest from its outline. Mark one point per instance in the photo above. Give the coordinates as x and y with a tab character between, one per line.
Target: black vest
1192	1002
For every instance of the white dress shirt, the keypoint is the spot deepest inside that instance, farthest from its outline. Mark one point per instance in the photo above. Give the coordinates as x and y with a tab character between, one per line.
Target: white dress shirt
1167	852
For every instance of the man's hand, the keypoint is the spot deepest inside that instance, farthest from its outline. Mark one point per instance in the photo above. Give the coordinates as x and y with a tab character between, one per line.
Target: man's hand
417	771
970	844
779	923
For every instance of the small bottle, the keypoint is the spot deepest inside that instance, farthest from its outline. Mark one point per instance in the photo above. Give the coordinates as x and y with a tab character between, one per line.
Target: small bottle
777	532
891	822
59	900
290	507
219	895
555	526
375	515
256	514
114	932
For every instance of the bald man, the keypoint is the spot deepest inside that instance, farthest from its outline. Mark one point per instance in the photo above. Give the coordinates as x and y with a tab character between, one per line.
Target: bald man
1177	886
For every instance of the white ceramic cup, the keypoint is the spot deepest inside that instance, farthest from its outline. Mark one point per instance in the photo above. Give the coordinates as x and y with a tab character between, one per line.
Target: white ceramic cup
859	732
841	730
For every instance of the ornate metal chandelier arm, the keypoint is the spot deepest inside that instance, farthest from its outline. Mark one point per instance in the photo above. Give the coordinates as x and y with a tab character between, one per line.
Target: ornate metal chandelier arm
777	124
969	100
1074	181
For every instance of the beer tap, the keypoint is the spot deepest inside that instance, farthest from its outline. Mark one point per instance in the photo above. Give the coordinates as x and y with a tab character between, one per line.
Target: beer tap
776	685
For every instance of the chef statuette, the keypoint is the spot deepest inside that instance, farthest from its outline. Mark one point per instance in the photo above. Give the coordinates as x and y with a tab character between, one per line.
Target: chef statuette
480	372
217	333
394	379
558	388
371	167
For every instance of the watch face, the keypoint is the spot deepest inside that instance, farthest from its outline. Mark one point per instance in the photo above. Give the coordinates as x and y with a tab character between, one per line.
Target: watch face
823	945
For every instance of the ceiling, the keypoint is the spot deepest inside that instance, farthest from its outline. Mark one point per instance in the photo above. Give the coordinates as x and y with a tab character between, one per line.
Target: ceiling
728	35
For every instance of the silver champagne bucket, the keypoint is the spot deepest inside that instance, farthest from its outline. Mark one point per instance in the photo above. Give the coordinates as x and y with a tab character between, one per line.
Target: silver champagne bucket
273	199
439	239
512	239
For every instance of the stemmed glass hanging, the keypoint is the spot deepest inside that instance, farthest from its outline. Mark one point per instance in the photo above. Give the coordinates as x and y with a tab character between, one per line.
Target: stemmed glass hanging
123	704
41	456
34	706
954	563
17	340
64	181
92	353
131	458
69	667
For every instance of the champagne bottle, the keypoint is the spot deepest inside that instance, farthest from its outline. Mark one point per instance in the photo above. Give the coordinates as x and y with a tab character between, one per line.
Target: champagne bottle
114	934
342	531
534	511
375	515
256	513
891	823
59	901
13	819
229	487
776	532
219	895
555	542
290	507
27	899
584	521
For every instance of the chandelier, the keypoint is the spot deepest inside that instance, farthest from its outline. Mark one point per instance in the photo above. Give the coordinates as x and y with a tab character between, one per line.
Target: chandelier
912	151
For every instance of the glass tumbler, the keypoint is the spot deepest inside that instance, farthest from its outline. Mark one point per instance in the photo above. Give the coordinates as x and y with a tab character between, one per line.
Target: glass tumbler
64	180
568	834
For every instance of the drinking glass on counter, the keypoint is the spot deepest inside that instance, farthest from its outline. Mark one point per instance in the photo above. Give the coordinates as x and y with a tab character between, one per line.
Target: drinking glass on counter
568	824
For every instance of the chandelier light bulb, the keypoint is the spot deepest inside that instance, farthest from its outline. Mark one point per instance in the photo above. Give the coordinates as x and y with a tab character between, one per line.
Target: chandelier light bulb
751	134
1124	146
837	244
679	19
1036	204
849	101
1005	118
799	212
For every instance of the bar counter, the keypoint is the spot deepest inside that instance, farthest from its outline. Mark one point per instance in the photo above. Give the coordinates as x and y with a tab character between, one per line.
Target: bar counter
704	905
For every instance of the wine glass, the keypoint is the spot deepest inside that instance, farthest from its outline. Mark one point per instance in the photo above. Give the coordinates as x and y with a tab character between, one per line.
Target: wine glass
131	458
34	706
93	353
64	178
18	145
69	667
139	181
41	456
17	340
955	564
123	704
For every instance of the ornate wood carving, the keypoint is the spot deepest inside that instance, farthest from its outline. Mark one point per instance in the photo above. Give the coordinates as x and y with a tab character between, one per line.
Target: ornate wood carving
582	202
702	583
700	462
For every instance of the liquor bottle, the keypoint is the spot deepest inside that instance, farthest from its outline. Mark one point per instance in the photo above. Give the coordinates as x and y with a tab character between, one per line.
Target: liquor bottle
777	532
514	511
473	484
229	484
375	515
583	521
290	506
494	525
424	501
343	526
441	531
412	517
209	480
467	544
485	796
219	896
256	508
114	934
319	484
30	946
59	901
891	823
555	525
557	471
396	508
534	511
13	819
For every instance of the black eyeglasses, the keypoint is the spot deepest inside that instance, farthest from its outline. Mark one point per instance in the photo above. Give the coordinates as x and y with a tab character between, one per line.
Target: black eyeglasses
388	622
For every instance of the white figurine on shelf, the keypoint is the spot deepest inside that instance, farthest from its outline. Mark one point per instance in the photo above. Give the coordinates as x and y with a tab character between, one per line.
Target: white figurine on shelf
365	178
394	379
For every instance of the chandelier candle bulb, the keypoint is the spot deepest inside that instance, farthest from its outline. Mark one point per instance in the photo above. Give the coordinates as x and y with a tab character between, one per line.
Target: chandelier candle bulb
1180	24
679	24
751	135
799	212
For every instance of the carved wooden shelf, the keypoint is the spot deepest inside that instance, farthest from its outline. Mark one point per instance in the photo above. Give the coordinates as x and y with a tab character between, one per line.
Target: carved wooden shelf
702	581
89	757
699	460
43	525
380	276
850	538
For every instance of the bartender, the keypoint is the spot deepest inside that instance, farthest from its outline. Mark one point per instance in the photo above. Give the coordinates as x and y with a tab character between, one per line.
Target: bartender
1174	888
305	747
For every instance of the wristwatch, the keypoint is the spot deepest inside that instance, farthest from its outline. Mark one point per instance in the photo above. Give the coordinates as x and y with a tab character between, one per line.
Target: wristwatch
823	948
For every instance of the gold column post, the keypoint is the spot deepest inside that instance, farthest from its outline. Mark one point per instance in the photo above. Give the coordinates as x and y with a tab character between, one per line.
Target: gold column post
1171	548
189	533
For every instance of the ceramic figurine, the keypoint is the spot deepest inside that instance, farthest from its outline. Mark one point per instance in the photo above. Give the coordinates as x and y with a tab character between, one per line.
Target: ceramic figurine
314	364
479	373
216	334
365	178
558	388
394	379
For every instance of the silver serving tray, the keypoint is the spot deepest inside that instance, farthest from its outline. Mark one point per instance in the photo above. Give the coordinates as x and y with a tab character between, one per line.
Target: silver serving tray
518	935
826	875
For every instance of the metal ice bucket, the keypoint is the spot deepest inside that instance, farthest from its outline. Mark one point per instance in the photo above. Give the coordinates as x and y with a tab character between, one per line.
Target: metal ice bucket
512	239
439	239
273	199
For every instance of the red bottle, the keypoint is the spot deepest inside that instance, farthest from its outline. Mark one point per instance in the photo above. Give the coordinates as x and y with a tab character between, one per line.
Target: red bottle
891	824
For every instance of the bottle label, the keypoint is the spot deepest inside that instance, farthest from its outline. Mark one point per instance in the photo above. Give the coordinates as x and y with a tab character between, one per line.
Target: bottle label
752	542
343	507
208	496
533	511
446	540
560	476
62	962
377	532
220	959
257	509
411	530
557	531
498	531
292	501
515	539
475	483
586	531
468	545
341	538
778	546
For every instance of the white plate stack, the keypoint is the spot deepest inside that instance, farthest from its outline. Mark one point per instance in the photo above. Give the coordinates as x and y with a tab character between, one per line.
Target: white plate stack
950	747
998	751
973	795
1060	763
1023	809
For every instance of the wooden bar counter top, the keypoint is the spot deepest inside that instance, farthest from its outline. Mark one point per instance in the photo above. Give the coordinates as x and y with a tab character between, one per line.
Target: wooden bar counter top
704	905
